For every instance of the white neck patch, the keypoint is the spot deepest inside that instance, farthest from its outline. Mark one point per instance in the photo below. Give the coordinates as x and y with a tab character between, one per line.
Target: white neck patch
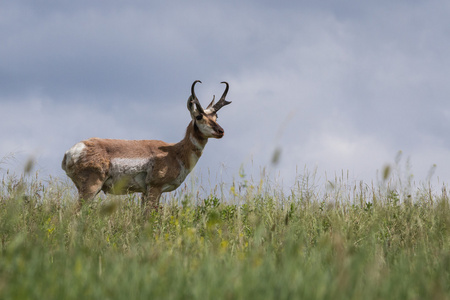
196	143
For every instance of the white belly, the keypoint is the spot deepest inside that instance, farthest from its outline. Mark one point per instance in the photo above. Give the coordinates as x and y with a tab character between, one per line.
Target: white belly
128	175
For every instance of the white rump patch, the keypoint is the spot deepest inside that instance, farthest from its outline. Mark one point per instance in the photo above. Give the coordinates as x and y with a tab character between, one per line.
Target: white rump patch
74	153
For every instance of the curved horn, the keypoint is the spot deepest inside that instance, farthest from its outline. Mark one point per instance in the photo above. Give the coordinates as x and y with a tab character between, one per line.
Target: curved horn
222	102
192	88
195	99
212	102
226	89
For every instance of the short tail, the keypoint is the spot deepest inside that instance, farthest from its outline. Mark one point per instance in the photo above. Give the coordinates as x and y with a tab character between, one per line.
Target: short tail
63	163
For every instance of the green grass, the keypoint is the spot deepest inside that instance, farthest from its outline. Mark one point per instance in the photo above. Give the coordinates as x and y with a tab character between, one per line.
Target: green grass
341	241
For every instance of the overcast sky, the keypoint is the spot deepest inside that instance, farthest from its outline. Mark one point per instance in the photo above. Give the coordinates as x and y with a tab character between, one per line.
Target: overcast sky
336	85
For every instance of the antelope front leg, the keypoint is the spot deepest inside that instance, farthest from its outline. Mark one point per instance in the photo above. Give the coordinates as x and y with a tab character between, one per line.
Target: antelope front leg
89	187
150	199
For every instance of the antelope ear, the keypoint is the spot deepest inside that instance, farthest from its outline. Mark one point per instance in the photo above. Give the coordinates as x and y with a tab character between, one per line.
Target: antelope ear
190	105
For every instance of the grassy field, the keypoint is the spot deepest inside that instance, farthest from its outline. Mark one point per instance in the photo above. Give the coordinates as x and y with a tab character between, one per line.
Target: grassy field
339	241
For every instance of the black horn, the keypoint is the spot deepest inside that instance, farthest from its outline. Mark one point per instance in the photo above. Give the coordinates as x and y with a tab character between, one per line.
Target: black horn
222	102
195	99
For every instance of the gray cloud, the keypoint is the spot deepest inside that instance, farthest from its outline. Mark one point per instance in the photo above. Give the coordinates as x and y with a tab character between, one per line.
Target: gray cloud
335	86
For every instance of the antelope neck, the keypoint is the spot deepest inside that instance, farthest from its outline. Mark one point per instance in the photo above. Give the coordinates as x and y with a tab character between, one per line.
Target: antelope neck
196	143
194	139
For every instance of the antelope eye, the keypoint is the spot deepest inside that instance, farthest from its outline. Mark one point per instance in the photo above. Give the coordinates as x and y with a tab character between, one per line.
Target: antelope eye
199	117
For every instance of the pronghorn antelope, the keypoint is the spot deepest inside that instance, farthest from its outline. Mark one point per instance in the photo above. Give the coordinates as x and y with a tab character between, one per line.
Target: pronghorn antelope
150	167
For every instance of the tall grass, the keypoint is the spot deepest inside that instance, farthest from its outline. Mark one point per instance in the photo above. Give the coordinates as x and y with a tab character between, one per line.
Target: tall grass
338	241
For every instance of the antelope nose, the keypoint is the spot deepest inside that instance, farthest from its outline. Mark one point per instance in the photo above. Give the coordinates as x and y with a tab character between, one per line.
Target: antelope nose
220	130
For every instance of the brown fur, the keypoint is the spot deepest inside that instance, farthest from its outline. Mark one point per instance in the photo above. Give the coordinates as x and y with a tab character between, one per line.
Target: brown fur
90	168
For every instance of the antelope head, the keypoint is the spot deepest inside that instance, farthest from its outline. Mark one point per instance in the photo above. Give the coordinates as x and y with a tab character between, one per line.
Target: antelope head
206	119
